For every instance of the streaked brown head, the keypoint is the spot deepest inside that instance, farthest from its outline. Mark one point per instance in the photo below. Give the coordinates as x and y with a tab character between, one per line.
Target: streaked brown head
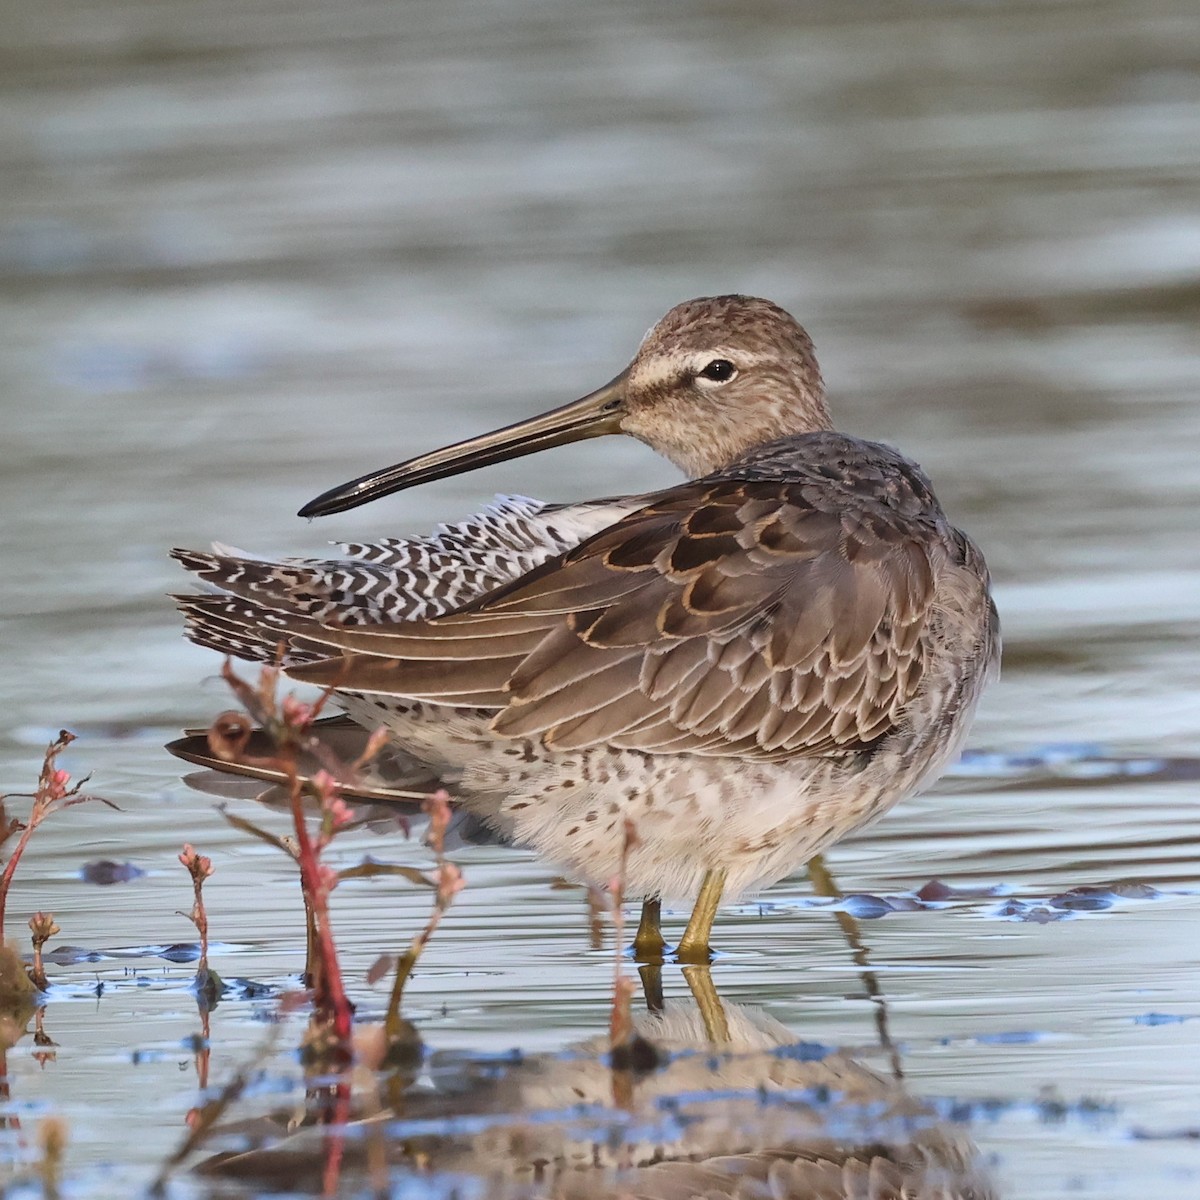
718	376
714	378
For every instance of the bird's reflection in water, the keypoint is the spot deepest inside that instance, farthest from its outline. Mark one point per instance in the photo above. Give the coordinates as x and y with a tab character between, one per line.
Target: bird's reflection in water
713	1101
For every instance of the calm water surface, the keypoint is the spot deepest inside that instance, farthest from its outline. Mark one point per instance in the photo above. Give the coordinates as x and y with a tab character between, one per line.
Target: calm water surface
247	252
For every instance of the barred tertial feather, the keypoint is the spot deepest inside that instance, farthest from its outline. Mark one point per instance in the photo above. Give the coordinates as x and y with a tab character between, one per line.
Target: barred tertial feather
388	581
402	578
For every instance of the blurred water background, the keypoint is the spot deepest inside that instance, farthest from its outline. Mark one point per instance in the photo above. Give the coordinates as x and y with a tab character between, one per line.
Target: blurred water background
248	251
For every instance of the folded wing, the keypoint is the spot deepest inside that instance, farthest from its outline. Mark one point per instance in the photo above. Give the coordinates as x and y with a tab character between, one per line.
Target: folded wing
732	618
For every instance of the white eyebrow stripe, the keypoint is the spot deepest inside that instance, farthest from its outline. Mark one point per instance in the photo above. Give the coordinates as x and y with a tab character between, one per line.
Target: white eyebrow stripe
658	371
662	370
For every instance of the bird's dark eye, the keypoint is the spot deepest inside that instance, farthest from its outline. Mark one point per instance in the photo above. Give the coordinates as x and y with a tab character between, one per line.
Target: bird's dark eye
719	370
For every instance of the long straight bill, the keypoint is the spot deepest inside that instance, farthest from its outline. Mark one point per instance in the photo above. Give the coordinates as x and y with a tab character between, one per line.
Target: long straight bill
594	415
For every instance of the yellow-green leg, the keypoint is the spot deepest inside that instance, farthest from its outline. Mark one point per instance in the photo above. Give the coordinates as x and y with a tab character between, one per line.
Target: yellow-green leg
822	881
648	943
652	987
693	946
712	1011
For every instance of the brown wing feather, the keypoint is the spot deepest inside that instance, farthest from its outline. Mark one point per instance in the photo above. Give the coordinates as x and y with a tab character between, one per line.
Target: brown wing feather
727	618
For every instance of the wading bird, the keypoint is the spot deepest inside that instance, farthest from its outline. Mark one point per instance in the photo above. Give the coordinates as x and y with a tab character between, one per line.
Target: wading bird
748	666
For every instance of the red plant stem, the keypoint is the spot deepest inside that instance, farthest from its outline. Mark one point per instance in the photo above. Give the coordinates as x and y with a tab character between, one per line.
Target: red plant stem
51	788
35	819
330	991
201	923
335	1142
204	1054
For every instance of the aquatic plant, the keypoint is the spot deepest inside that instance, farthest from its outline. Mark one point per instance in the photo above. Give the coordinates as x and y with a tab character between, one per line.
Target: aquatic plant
448	882
287	725
202	1121
620	1025
200	867
55	791
42	928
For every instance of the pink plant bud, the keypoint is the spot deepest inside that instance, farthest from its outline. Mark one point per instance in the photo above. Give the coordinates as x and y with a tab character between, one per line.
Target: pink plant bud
450	882
438	807
42	927
58	784
328	878
340	812
297	714
199	865
326	788
375	743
